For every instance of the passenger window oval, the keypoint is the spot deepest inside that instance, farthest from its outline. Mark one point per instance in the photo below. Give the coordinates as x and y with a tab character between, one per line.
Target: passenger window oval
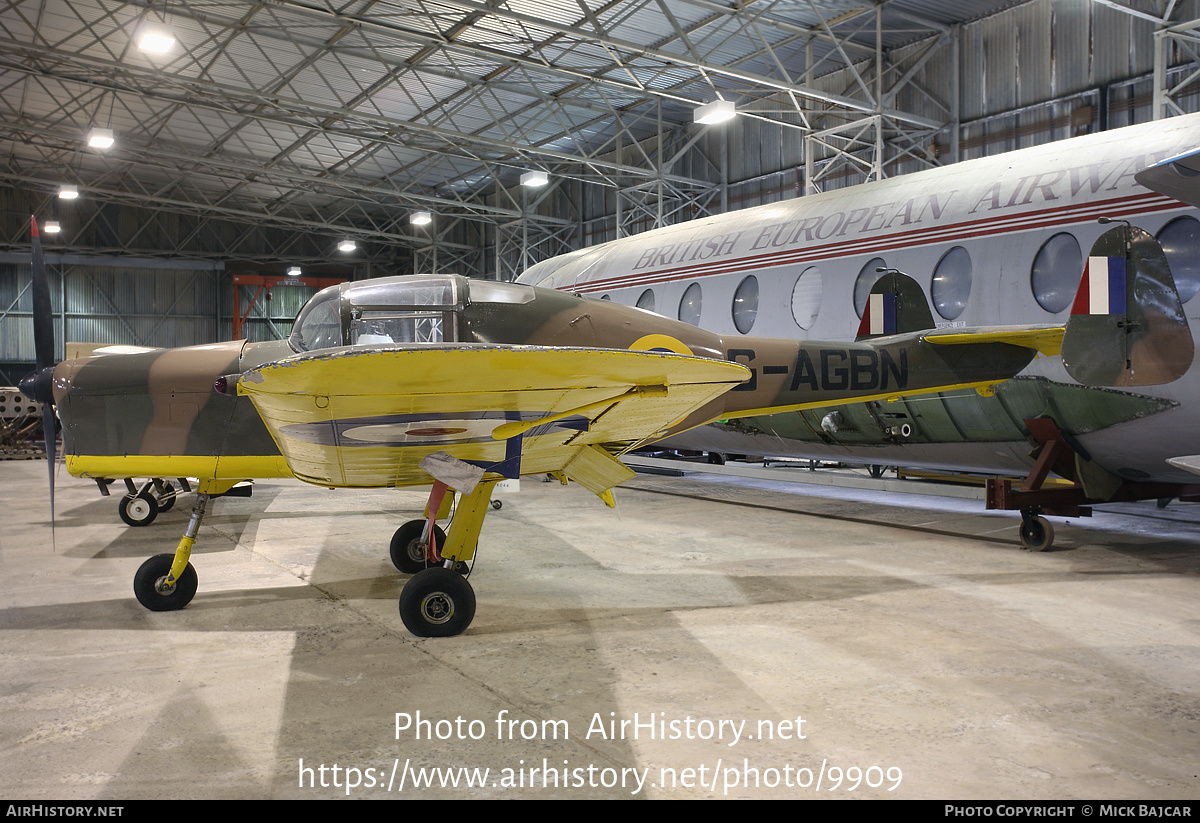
1055	273
745	304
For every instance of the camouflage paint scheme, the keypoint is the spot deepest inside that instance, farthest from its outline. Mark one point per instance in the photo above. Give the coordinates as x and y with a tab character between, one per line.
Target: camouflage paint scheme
156	413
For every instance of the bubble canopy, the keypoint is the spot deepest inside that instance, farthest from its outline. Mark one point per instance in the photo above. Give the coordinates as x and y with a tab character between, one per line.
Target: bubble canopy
420	308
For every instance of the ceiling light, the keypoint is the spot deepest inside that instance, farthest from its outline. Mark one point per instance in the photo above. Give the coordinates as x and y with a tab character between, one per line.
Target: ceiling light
347	245
100	138
68	192
156	42
718	111
420	218
533	179
293	271
52	227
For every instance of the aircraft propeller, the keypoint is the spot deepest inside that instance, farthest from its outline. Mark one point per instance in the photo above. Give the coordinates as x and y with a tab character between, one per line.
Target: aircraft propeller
39	384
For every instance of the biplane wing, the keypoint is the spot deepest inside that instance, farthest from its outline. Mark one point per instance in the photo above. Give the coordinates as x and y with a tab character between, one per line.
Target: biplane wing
366	416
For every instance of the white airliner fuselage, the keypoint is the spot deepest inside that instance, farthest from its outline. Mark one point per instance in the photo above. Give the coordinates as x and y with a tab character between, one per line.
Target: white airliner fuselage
994	241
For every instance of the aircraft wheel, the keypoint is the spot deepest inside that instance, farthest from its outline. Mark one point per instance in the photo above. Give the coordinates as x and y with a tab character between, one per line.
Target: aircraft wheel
138	511
1037	533
496	504
167	501
716	459
437	603
407	551
151	591
876	471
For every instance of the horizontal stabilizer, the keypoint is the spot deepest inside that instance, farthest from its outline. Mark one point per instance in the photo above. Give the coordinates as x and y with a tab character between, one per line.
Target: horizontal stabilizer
1177	177
896	305
1127	325
1046	339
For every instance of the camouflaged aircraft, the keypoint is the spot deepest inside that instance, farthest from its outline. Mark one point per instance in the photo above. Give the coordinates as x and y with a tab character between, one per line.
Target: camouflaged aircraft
407	381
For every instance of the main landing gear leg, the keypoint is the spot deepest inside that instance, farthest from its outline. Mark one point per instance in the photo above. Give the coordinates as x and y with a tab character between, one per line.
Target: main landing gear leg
167	582
439	602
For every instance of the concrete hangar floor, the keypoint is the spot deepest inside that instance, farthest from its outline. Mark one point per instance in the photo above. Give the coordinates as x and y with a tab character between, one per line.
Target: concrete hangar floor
714	638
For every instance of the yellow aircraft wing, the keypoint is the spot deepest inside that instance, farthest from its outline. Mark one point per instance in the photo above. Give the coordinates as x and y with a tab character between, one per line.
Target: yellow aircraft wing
1046	339
366	416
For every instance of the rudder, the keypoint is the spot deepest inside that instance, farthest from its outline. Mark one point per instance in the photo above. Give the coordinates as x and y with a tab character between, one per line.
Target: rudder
1127	324
896	305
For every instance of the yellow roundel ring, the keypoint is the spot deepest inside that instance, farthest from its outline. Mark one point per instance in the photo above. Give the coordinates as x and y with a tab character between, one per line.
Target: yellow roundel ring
659	342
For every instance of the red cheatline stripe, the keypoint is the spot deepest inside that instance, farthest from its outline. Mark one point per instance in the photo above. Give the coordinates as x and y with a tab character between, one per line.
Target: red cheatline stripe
1057	216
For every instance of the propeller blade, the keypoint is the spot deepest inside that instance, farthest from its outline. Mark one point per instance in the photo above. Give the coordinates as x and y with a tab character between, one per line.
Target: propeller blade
38	385
51	448
43	313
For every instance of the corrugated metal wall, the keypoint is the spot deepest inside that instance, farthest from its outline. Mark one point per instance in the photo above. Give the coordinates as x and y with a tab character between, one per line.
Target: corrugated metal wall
1040	71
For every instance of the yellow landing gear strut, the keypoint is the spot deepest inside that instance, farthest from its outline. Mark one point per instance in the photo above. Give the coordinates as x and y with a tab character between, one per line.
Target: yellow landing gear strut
167	582
438	601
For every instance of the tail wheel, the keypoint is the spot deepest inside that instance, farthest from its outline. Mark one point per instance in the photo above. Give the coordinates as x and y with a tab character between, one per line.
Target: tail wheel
437	602
152	590
407	551
139	510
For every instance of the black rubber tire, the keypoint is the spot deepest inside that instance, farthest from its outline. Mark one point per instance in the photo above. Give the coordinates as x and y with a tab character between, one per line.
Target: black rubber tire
876	471
138	511
1037	533
437	603
151	572
716	459
497	504
406	551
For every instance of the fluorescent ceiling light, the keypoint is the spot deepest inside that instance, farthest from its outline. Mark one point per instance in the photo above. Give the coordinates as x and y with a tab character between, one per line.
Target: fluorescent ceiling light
533	179
347	245
52	227
100	138
293	271
420	218
68	192
156	42
718	111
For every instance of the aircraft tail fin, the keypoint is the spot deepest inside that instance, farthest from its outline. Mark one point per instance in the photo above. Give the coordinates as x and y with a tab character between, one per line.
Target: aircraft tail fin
1127	324
896	305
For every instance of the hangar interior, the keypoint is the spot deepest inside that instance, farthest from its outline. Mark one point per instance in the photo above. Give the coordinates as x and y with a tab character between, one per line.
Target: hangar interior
269	133
354	140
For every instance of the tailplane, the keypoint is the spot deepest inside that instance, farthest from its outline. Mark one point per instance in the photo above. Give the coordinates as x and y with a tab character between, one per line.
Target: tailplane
1127	324
896	305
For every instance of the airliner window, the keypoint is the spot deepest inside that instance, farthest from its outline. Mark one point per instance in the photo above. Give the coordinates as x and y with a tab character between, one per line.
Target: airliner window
319	325
646	301
689	306
952	283
806	297
1180	239
745	304
1056	272
867	276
